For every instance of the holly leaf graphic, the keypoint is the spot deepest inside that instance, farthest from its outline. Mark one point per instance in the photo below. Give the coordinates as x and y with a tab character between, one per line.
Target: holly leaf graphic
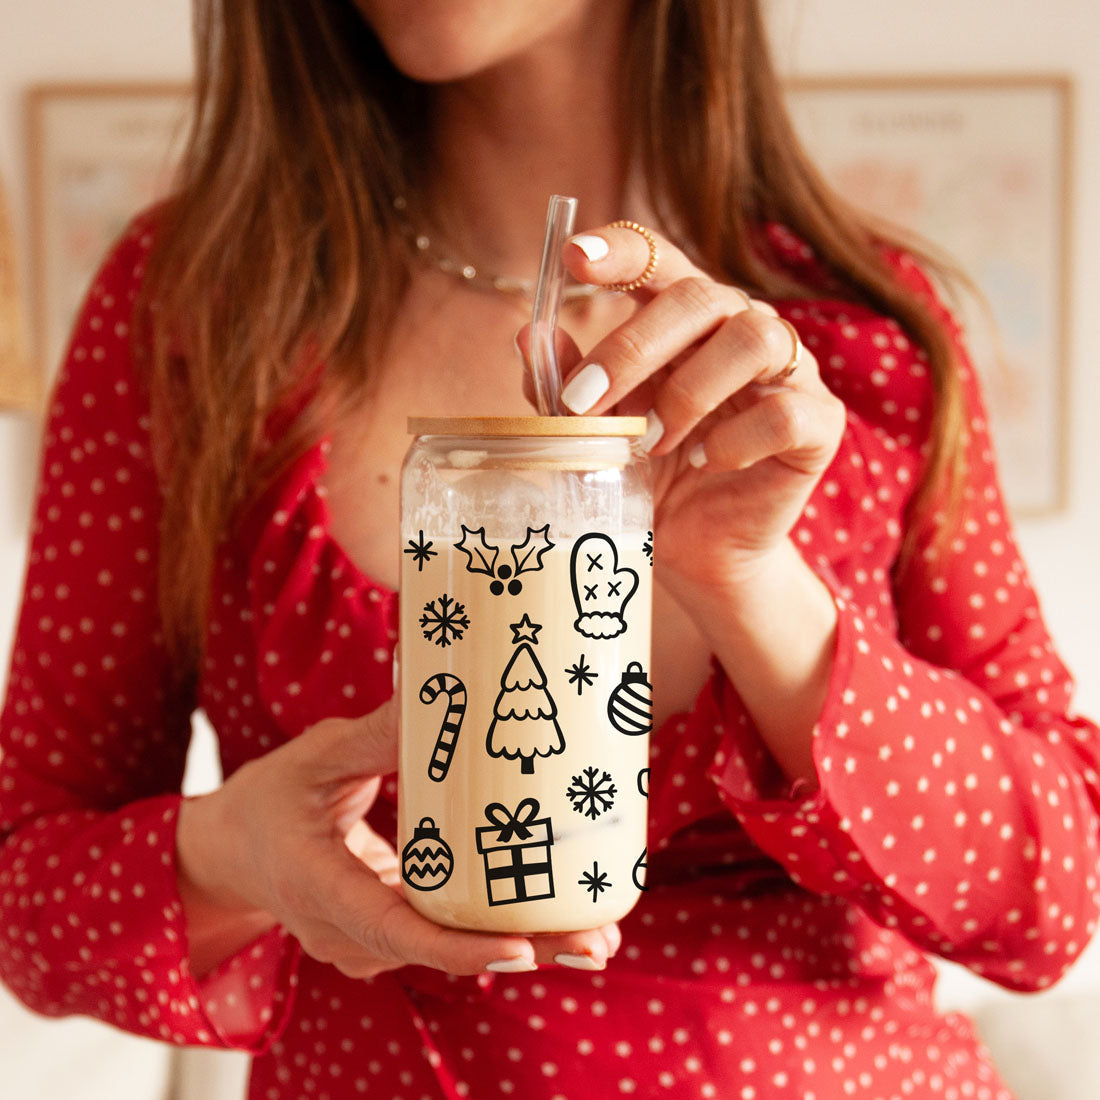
482	557
527	555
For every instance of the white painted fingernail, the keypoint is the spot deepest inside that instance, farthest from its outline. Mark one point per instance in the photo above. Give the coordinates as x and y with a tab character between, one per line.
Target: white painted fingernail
586	388
518	965
579	962
594	248
654	429
697	456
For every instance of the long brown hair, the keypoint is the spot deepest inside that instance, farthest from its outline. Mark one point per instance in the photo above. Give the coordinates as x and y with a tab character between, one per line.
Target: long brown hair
281	249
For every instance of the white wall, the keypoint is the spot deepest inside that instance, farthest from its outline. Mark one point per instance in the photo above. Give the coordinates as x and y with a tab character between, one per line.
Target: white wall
139	39
67	40
63	40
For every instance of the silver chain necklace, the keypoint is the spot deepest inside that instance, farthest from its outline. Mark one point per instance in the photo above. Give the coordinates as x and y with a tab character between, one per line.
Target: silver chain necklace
472	276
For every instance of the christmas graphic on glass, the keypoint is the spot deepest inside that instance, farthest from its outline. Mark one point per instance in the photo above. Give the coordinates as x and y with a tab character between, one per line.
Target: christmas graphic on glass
524	638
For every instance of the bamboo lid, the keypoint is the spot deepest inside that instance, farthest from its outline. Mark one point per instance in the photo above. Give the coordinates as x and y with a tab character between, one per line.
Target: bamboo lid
559	426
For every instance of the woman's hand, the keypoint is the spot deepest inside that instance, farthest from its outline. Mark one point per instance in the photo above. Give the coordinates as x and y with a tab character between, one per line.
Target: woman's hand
736	453
738	443
283	841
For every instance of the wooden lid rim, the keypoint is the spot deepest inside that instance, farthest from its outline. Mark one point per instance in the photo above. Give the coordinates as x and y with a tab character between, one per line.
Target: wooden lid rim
569	426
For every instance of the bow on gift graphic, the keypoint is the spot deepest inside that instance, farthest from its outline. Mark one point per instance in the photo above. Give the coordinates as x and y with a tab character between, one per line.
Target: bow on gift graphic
512	824
481	557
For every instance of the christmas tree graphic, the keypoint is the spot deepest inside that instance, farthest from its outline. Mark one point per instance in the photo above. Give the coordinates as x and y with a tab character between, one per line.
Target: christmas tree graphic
525	716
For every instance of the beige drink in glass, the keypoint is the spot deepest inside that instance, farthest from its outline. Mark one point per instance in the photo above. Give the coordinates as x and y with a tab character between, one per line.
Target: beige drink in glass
524	672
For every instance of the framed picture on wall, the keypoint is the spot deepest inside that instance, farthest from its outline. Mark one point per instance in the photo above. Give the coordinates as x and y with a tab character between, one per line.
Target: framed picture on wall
18	382
979	167
97	155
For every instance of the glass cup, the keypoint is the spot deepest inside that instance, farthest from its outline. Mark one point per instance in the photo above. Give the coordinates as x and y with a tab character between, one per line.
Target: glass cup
526	705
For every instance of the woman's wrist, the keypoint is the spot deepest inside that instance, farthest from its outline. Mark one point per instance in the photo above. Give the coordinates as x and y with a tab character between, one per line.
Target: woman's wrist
741	593
772	625
219	921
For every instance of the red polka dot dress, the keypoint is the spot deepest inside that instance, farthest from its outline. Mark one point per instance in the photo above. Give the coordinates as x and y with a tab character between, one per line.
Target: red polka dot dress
781	948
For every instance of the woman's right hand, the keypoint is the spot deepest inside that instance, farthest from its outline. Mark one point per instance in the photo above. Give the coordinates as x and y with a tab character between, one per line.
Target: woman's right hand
284	841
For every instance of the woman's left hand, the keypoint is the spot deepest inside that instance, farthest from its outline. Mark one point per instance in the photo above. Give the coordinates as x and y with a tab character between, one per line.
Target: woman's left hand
737	447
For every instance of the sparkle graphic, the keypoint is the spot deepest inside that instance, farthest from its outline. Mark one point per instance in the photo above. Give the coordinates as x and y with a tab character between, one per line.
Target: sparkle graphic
594	881
590	795
647	547
581	674
444	620
421	551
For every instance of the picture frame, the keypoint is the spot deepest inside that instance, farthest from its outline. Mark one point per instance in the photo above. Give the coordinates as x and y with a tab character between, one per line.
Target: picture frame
18	381
97	155
980	167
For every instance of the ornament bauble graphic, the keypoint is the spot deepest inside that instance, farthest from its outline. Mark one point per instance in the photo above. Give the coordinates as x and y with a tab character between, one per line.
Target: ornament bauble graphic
427	860
630	707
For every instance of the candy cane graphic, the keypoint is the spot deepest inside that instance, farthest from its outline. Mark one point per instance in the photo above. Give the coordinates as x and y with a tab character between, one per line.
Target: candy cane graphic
455	690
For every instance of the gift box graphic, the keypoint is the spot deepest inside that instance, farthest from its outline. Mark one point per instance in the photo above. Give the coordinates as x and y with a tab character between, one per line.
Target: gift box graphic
516	849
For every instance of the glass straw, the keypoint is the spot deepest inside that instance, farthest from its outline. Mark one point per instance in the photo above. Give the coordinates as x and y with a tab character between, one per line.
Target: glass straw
548	297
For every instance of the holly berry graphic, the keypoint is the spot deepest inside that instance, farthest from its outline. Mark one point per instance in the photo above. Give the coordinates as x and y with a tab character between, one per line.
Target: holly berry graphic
482	557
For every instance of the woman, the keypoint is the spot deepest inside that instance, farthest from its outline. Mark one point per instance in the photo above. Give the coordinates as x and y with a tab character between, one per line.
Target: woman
864	752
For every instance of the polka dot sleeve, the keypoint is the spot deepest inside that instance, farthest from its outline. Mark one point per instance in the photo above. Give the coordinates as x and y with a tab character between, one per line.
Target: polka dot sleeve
959	794
94	732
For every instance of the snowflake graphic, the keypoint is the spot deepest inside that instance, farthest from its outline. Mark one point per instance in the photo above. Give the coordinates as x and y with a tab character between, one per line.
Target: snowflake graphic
591	796
594	881
445	623
421	551
581	674
647	547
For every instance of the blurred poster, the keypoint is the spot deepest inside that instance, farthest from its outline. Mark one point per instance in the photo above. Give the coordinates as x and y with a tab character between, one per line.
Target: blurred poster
980	168
97	155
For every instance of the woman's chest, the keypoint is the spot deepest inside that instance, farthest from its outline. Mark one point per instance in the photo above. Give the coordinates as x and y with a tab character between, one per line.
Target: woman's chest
447	356
362	481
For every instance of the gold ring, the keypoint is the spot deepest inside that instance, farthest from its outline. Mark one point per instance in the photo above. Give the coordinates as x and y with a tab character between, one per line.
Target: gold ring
650	267
792	363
